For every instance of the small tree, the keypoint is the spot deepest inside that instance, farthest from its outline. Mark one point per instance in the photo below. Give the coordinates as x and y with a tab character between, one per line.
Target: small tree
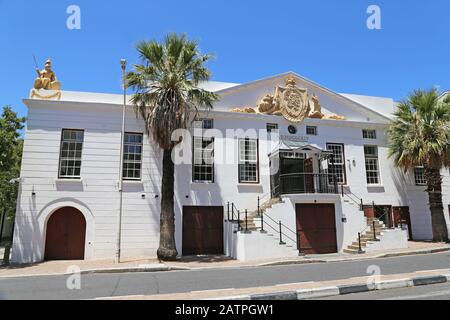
10	158
420	136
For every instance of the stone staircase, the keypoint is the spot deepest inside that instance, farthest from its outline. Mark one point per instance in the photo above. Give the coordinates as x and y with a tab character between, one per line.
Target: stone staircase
367	238
253	221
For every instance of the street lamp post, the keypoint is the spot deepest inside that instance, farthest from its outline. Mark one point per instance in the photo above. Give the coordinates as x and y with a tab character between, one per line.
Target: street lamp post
123	64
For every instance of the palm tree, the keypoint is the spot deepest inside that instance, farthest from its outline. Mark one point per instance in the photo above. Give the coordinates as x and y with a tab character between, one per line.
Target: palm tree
420	136
167	96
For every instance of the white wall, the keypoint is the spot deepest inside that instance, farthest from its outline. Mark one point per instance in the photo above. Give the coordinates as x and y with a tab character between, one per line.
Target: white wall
391	239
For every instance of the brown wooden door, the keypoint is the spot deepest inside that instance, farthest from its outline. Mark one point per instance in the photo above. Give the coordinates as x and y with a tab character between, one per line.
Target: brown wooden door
309	179
316	228
202	230
401	215
65	236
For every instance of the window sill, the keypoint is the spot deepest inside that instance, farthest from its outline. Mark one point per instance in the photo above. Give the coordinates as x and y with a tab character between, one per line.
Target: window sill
249	184
132	182
203	182
69	180
375	186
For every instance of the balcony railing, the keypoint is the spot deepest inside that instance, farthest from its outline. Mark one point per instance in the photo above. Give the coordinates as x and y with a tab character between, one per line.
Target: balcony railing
298	183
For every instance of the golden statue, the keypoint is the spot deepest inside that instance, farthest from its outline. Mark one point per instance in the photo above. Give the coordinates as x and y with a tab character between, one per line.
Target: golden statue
244	110
267	105
335	117
46	78
317	108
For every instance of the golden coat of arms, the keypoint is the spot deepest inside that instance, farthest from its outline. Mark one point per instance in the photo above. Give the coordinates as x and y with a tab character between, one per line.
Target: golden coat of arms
292	101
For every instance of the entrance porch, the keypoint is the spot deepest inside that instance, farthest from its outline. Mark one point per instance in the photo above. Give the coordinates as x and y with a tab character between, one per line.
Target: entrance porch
299	168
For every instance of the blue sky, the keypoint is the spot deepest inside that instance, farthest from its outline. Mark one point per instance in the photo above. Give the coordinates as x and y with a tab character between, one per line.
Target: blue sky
324	40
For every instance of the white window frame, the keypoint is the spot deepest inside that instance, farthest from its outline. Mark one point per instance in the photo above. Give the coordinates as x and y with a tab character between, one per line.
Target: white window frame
246	159
369	134
372	157
272	127
337	164
314	128
205	160
419	178
132	162
206	123
73	145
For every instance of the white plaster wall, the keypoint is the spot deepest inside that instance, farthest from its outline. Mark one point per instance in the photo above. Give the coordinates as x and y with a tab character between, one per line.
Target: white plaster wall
391	239
256	245
230	239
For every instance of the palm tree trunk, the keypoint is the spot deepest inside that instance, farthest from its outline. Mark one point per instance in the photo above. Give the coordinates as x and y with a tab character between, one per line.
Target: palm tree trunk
434	189
167	249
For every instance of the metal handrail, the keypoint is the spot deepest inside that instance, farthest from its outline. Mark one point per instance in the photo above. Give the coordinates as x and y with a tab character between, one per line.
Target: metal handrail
281	233
293	183
348	193
267	216
373	227
231	210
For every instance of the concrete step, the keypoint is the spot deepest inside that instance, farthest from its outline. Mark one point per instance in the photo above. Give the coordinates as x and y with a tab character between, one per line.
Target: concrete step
352	251
355	247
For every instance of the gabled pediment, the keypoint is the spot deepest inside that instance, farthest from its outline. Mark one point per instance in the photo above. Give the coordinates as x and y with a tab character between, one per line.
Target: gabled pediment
249	95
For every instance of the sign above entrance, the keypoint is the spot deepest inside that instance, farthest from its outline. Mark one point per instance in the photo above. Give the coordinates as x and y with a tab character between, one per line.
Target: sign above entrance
294	138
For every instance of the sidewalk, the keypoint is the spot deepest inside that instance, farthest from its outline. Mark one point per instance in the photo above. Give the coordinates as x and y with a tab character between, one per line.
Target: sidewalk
198	263
307	290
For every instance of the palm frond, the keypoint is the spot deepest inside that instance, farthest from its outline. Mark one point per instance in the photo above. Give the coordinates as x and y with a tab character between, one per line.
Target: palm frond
166	85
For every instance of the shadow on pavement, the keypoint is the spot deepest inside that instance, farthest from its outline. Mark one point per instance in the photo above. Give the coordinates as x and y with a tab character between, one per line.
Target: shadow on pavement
205	258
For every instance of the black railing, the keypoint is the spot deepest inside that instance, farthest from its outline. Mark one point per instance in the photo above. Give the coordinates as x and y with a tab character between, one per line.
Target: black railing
382	218
297	183
282	230
353	197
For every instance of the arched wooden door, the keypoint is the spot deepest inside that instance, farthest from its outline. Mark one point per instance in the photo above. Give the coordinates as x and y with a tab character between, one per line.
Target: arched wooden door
66	233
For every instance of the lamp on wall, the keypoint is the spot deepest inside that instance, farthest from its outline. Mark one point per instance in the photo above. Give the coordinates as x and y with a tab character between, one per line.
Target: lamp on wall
352	160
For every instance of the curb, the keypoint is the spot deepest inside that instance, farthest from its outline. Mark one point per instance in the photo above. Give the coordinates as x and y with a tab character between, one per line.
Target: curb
323	292
355	258
154	268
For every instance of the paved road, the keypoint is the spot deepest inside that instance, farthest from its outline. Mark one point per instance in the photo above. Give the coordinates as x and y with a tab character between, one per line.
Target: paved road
106	285
430	292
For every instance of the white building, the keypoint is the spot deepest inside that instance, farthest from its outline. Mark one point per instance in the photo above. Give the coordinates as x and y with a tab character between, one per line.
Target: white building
68	204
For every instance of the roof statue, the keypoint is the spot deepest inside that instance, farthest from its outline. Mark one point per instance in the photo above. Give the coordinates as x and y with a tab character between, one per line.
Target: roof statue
291	102
46	80
316	112
244	110
268	106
